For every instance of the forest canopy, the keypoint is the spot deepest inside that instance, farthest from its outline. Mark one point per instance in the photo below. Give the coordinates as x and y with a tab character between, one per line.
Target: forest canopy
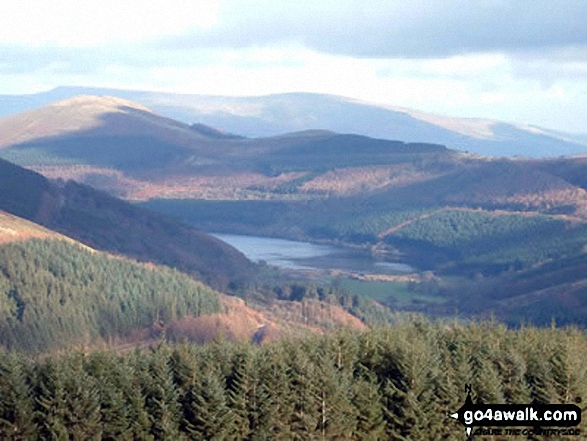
56	294
396	383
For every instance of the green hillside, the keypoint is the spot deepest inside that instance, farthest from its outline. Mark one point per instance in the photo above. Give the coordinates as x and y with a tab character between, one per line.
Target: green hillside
55	294
484	239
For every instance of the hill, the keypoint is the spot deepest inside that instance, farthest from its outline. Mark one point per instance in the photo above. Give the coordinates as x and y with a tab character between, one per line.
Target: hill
56	294
106	223
132	152
276	114
457	214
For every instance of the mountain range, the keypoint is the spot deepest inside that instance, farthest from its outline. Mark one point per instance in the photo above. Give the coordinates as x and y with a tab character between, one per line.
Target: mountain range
262	116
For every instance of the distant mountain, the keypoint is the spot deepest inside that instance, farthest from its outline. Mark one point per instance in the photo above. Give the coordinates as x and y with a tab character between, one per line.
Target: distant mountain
276	114
106	223
101	130
131	151
438	209
99	116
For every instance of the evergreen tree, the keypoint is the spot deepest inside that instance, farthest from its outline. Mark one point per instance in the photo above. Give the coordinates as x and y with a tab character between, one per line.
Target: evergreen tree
242	398
114	407
275	397
370	424
162	398
68	401
337	415
208	415
16	401
306	413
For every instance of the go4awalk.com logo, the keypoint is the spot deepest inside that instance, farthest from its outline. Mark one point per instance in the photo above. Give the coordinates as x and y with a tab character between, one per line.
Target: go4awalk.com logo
518	419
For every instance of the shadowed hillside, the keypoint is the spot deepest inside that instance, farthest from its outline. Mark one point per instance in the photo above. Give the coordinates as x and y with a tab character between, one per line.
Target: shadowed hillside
435	208
105	223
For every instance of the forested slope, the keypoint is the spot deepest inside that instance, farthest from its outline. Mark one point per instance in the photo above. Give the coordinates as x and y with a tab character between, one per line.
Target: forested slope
398	383
55	294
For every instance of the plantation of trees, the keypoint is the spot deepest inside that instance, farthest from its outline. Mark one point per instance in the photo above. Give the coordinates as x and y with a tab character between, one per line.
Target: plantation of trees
54	294
476	238
454	228
397	383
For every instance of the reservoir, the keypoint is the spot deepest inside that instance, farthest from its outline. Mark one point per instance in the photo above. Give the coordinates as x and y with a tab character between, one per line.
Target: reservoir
298	255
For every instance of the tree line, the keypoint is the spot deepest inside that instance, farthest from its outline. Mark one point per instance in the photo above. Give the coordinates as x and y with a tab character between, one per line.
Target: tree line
396	383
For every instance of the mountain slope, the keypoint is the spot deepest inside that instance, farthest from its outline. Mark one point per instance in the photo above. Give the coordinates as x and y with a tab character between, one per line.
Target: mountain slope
16	229
275	114
132	152
106	223
54	294
311	184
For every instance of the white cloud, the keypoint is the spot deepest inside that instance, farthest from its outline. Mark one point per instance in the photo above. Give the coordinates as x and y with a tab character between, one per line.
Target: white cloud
77	23
472	65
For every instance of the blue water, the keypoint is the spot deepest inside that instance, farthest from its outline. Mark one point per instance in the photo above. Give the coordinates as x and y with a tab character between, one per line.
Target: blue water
298	255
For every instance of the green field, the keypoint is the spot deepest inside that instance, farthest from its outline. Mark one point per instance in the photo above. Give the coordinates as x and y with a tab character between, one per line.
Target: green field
396	294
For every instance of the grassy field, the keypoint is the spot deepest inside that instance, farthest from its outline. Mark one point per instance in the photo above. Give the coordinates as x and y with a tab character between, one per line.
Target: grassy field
391	293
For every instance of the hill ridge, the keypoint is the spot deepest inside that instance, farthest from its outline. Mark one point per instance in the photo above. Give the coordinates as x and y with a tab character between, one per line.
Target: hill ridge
260	116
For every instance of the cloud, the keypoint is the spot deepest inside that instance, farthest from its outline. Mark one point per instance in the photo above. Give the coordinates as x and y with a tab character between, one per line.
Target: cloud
74	23
396	28
522	60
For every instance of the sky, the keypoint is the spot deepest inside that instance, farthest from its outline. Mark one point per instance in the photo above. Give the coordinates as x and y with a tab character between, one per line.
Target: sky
521	61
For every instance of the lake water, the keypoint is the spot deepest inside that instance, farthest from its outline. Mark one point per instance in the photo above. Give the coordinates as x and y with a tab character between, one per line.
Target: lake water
305	255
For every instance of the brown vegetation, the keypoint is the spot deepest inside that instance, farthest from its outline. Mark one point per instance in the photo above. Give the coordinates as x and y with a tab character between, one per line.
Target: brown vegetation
245	185
354	180
13	228
261	323
245	322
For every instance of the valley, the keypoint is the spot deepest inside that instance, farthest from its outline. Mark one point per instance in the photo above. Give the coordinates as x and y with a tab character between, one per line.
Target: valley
135	249
464	220
293	221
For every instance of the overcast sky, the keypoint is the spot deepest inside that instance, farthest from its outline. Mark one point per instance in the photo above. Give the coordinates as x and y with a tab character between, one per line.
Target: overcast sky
514	60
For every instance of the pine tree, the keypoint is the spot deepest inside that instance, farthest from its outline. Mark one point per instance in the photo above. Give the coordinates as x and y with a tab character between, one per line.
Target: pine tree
51	402
68	402
275	397
112	380
304	382
538	373
516	390
16	401
208	413
337	415
161	398
370	425
242	396
138	381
